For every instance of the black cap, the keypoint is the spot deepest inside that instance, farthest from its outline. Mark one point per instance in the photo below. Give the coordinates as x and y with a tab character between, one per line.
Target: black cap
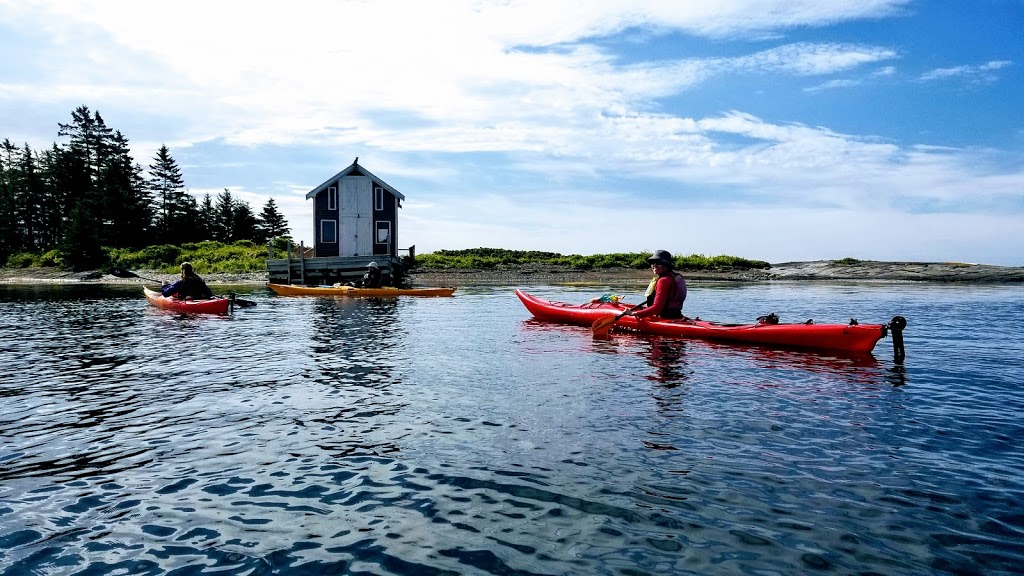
661	257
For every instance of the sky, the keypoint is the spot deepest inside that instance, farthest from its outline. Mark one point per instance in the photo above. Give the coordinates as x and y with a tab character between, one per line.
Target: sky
776	130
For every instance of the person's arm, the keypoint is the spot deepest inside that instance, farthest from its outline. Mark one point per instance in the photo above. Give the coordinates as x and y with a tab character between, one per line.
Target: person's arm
661	296
171	290
207	293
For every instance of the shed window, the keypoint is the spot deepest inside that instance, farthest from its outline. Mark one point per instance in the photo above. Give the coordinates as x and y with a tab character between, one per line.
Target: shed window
378	198
332	198
328	231
383	232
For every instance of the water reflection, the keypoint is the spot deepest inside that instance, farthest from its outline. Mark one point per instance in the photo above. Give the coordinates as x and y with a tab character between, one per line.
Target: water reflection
311	436
671	359
667	358
355	351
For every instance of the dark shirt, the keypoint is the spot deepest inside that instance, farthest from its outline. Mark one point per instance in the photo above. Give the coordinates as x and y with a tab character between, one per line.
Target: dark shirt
372	278
191	287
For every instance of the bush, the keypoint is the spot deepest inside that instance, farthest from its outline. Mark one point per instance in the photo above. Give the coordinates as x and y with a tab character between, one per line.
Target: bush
846	261
21	260
206	257
486	258
52	259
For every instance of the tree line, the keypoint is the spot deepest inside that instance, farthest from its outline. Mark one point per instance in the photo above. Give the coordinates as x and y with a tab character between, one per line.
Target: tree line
88	193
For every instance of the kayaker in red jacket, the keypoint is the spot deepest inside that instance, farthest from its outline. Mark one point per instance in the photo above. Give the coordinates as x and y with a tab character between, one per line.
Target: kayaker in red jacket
667	291
190	285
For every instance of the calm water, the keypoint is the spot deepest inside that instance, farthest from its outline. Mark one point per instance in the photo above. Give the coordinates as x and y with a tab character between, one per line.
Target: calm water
457	436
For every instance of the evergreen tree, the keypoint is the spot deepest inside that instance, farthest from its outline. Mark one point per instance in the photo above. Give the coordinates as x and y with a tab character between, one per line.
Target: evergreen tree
245	225
80	246
272	223
90	139
224	217
206	218
78	197
177	212
126	200
90	145
30	202
8	212
59	169
234	219
188	228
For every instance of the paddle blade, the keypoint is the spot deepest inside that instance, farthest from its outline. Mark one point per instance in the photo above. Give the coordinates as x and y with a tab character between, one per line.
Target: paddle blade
121	273
601	326
241	302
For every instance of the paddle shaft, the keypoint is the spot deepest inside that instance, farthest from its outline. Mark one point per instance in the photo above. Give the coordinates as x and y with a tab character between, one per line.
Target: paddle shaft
634	308
602	326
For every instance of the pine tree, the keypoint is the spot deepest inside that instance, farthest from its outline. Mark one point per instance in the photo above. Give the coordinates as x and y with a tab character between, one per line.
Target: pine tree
9	243
272	223
174	211
126	199
224	217
245	225
30	201
59	169
206	219
90	139
90	145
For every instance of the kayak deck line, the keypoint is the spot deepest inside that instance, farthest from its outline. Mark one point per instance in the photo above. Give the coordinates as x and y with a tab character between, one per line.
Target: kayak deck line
853	337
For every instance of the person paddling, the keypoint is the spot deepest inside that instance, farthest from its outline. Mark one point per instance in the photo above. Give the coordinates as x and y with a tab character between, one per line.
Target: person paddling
373	277
190	286
666	292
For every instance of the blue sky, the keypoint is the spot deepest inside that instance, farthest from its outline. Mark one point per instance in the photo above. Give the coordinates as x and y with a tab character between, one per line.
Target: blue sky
779	130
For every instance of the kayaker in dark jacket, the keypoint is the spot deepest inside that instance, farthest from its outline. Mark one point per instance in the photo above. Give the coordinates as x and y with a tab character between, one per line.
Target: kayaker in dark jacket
190	285
372	278
667	291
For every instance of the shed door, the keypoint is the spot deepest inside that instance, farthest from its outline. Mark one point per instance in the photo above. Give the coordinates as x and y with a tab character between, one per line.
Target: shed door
356	235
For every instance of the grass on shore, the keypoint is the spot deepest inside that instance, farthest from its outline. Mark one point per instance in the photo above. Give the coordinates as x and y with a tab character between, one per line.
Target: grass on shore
207	257
491	258
244	257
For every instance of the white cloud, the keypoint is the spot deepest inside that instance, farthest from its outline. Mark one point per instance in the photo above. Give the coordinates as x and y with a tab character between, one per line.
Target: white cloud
585	225
528	81
833	84
812	59
977	73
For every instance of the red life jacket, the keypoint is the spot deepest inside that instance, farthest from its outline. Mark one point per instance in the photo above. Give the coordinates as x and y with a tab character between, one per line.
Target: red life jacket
674	307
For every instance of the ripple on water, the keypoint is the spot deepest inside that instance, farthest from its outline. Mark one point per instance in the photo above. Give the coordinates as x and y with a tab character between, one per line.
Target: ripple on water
444	436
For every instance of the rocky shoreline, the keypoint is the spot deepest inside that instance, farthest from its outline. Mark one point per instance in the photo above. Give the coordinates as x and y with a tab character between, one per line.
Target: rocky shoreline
821	270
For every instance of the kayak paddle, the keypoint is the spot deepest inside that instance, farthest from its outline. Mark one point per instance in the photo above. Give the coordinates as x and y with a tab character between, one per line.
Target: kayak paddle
121	273
601	326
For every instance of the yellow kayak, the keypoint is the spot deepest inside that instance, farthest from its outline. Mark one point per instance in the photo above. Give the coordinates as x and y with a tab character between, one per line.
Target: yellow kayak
382	292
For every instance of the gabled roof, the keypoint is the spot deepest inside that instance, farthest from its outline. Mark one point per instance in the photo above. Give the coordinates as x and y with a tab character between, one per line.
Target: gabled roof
354	167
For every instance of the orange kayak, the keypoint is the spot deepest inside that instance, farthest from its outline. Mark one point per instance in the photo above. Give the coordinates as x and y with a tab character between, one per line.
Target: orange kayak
211	306
350	291
851	337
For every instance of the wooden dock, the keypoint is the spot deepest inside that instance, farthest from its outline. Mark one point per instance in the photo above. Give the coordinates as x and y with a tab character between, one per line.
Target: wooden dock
297	268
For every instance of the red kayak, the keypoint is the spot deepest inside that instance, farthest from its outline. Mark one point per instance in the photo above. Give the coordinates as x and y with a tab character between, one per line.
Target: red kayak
211	306
851	337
